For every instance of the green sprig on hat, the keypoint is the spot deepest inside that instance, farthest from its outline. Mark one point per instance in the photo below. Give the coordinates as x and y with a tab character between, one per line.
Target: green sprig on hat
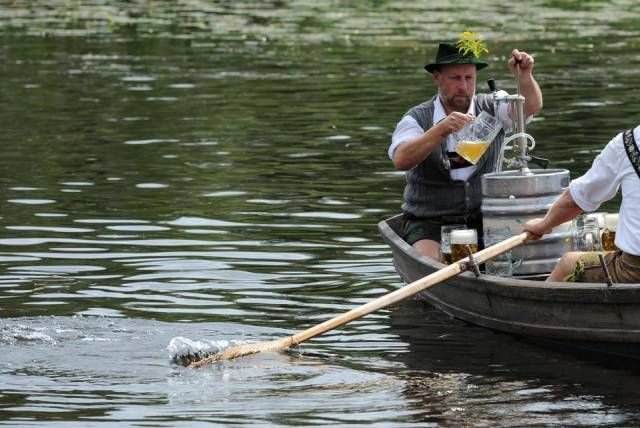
467	50
471	42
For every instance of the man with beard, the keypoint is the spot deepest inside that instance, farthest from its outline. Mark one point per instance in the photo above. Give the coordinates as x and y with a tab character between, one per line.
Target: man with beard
442	187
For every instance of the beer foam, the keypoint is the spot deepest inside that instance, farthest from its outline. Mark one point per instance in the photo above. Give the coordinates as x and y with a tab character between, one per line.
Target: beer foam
464	236
611	222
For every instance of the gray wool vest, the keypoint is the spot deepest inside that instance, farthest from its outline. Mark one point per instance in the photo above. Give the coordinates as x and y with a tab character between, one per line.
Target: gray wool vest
430	191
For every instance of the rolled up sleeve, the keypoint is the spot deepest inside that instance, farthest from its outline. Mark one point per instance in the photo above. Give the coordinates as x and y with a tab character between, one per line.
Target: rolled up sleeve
406	129
601	182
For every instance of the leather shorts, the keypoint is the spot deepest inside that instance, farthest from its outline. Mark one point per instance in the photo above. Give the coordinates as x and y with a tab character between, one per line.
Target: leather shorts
623	268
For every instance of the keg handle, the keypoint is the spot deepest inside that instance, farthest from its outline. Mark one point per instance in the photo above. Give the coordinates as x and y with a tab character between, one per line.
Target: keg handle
541	162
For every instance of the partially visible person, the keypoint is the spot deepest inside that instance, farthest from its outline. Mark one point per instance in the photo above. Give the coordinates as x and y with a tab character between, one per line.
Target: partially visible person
442	187
617	166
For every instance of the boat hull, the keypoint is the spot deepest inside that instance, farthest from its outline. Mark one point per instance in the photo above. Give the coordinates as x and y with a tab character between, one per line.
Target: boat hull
550	310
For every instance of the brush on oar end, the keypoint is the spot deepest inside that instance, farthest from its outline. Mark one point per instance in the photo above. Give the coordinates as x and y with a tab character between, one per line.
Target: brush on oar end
184	351
243	350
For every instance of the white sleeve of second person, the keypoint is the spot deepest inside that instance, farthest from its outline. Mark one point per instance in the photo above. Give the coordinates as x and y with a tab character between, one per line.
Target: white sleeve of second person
602	181
406	129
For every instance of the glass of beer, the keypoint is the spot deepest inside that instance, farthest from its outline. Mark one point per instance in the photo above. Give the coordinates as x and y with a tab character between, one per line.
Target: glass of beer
608	237
445	241
460	238
599	218
502	265
586	233
474	138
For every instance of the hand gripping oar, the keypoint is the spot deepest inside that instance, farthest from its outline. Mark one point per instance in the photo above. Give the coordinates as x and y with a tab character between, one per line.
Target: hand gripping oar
354	314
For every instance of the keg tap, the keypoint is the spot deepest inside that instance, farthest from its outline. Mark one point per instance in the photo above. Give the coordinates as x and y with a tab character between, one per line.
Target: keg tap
522	142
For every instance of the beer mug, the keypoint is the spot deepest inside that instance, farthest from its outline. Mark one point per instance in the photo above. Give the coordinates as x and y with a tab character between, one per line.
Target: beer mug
504	264
599	218
476	136
586	233
460	238
445	241
608	237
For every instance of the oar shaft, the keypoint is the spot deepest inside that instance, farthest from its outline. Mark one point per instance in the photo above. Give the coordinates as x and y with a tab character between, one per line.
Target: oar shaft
408	290
374	305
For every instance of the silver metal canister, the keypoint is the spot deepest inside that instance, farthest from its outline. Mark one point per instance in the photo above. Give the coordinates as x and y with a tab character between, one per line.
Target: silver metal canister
511	198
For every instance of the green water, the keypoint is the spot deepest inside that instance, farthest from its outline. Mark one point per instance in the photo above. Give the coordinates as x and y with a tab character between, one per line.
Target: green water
216	171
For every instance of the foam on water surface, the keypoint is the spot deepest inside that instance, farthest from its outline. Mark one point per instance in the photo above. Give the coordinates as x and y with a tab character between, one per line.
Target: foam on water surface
183	350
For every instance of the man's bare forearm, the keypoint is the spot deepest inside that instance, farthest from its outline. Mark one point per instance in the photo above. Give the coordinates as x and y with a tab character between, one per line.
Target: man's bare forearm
562	210
412	152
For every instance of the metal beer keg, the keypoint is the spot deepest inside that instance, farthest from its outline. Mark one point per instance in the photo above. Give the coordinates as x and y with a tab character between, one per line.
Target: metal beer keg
511	198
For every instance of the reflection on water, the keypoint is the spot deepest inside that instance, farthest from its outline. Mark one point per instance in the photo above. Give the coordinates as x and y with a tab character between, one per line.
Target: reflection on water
465	373
216	171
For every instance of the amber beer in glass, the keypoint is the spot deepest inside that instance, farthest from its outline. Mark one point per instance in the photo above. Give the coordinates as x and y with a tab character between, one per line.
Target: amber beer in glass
472	150
445	241
476	135
459	240
446	256
608	237
608	240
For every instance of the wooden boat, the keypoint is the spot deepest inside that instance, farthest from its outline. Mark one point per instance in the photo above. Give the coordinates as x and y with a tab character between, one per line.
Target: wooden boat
592	315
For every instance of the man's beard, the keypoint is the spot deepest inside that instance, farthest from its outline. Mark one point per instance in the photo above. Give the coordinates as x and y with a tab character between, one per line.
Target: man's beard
460	103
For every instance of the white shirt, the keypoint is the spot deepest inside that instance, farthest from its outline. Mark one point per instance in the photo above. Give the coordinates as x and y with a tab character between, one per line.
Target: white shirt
408	129
611	170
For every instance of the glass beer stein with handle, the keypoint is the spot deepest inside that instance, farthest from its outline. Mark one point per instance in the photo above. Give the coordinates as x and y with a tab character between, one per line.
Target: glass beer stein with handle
504	264
586	233
608	237
445	241
460	238
476	136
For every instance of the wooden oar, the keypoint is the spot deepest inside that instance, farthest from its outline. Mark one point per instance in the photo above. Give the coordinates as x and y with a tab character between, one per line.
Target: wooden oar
354	314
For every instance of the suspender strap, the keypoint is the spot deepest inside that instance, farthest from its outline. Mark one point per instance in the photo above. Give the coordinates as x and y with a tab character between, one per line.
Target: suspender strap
633	153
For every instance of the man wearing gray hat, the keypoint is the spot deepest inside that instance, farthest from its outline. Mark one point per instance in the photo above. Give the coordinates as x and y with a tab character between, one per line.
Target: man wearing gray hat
442	187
